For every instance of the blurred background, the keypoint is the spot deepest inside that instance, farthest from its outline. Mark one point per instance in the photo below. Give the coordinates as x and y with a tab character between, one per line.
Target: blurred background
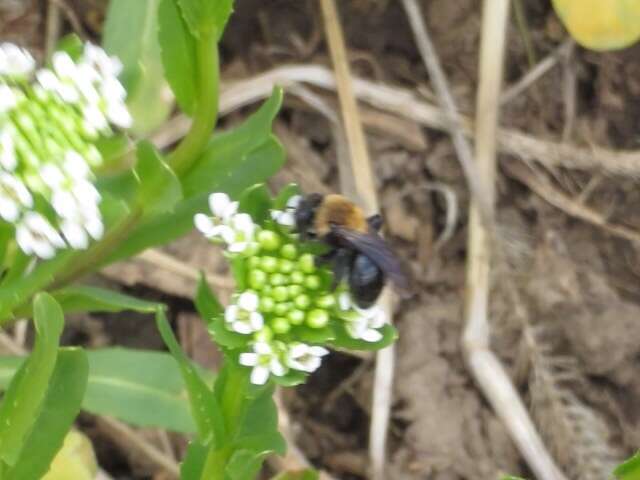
565	305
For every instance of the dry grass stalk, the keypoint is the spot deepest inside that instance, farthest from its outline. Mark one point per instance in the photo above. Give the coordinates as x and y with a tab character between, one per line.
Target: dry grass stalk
482	362
359	184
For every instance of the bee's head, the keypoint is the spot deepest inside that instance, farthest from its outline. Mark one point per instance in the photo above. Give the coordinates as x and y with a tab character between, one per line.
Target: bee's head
305	214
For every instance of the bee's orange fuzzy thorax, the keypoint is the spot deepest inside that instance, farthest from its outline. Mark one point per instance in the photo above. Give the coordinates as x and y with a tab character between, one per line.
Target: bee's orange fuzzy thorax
339	210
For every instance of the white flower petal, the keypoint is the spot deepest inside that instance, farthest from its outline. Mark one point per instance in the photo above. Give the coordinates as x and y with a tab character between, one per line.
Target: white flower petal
94	226
118	114
231	313
277	368
259	375
294	202
65	204
16	61
298	350
241	326
63	64
43	249
318	351
75	235
262	348
9	210
243	223
8	98
248	359
25	239
218	202
94	118
248	301
286	219
238	247
204	224
344	301
256	321
76	166
371	335
52	176
229	211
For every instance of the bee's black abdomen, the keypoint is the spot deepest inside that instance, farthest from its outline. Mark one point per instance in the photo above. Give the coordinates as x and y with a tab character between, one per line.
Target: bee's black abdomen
366	280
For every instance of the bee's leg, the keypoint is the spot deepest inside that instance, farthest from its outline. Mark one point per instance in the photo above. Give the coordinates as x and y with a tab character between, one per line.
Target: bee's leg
341	264
375	222
325	258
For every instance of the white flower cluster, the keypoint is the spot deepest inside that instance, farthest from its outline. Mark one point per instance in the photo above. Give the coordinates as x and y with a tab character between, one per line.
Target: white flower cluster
267	360
47	132
285	292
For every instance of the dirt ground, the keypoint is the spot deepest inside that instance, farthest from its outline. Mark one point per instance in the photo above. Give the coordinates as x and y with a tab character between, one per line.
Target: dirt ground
565	303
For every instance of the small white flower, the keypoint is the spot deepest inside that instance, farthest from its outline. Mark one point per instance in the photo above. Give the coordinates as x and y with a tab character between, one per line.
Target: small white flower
36	235
7	151
211	230
14	197
15	61
264	361
304	357
8	98
244	229
222	207
75	234
243	317
365	325
94	119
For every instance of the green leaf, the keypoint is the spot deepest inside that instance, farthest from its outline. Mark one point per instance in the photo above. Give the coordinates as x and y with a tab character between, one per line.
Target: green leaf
256	201
258	431
315	335
244	465
204	405
233	161
59	410
206	302
71	44
291	379
227	153
178	50
84	298
298	475
629	470
130	33
160	189
203	16
143	388
193	462
344	340
26	393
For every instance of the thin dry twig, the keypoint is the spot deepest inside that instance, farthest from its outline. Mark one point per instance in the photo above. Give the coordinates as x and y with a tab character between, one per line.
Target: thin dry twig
359	183
133	439
448	104
569	94
407	104
72	17
543	187
484	365
537	72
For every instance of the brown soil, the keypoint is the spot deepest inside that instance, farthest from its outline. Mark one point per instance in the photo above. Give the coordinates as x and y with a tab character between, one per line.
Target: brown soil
565	307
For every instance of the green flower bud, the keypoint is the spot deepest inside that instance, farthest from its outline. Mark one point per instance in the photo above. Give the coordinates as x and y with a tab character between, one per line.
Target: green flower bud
267	304
267	290
306	263
257	279
281	309
286	266
252	249
269	264
297	277
289	251
326	301
312	282
296	317
295	290
302	301
254	262
264	335
280	325
277	279
280	293
268	240
317	318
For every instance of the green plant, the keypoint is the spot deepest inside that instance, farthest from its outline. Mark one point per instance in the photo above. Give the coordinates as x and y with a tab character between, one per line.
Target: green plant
81	187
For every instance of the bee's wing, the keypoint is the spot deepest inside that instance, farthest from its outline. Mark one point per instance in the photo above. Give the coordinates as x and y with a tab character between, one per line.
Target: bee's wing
374	247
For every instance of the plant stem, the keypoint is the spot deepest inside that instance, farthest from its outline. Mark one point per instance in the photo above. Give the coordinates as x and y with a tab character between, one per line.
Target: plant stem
206	112
232	403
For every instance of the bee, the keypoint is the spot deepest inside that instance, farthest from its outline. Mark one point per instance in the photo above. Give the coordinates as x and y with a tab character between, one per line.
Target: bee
357	251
